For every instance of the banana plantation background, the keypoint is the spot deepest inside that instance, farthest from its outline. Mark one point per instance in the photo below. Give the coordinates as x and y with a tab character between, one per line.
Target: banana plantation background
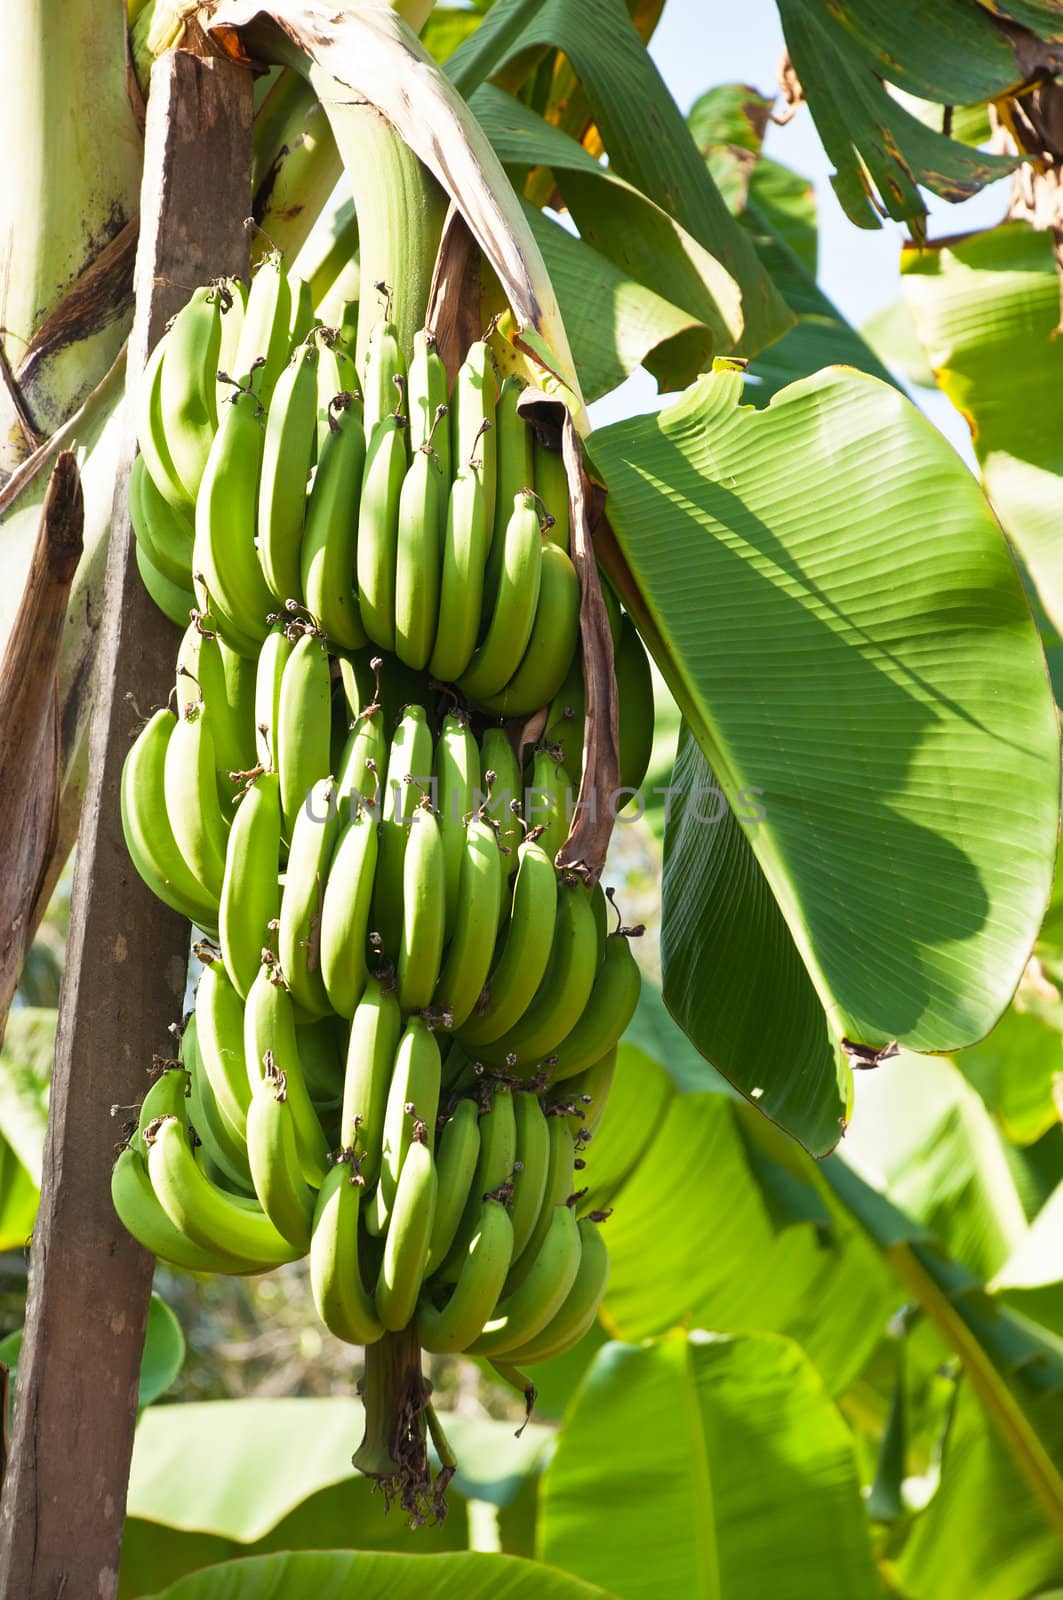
830	1358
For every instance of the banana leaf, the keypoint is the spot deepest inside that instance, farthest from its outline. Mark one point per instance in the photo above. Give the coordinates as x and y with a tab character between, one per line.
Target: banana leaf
335	1575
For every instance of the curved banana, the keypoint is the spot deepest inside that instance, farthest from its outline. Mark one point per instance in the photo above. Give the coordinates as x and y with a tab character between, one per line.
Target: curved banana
345	912
411	1110
225	1149
219	1045
378	528
164	534
588	1091
341	1299
427	391
174	600
264	342
188	390
271	1043
304	724
299	935
330	542
191	789
151	433
225	681
505	790
566	987
166	1097
530	1168
250	892
375	1031
552	644
409	773
363	766
272	660
495	661
455	1325
419	533
559	1189
141	1214
607	1013
551	485
234	294
149	837
456	1158
528	1309
548	801
462	581
206	1214
406	1245
336	375
423	911
513	454
225	562
493	1176
516	976
302	311
457	775
385	376
283	1193
580	1308
469	953
287	456
473	439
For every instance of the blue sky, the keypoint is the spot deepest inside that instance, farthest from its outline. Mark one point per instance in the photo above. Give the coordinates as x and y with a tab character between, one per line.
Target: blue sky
699	43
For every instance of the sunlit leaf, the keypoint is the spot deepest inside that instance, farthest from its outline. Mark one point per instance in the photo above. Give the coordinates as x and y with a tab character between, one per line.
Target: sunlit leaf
335	1575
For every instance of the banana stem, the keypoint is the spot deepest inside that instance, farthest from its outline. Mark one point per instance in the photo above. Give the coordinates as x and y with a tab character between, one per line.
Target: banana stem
400	209
394	1449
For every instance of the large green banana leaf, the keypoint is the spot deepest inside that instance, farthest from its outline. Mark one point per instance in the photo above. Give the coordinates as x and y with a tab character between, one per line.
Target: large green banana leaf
1017	1067
950	52
707	1468
336	1575
641	127
828	596
986	310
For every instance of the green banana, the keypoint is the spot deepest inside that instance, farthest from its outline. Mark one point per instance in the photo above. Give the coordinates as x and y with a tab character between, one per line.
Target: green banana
188	392
409	768
520	969
299	935
250	893
566	987
504	790
174	600
385	376
287	456
551	485
375	1030
473	440
423	911
530	1169
468	957
378	527
302	311
151	433
330	543
149	837
580	1308
496	660
226	568
166	1097
456	1160
558	1190
304	755
461	585
141	1214
419	555
607	1013
588	1091
548	801
192	805
204	1213
528	1309
283	1193
219	1043
362	766
345	912
233	310
514	475
494	1175
225	681
165	535
271	1040
227	1151
455	1325
427	392
457	786
264	342
552	645
336	375
273	658
406	1245
342	1302
411	1110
